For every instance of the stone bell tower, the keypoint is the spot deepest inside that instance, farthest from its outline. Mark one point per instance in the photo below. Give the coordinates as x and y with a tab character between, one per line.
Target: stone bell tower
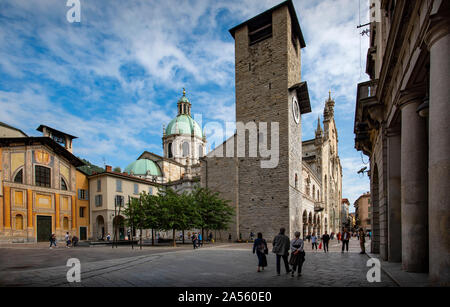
269	90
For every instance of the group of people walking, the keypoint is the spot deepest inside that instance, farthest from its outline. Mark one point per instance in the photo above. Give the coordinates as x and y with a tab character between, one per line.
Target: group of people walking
282	244
71	241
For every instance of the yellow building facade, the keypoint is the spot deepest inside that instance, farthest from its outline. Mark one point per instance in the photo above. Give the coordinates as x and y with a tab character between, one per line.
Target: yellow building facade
82	206
38	190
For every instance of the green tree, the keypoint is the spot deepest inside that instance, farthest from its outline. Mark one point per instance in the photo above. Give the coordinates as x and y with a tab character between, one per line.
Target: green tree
152	212
174	211
135	216
215	212
117	169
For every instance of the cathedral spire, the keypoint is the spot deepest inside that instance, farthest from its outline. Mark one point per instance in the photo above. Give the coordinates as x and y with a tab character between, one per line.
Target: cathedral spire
319	127
328	111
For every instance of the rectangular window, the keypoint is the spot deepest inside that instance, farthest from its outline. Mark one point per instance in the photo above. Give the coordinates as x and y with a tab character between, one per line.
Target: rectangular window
118	185
99	185
82	210
260	29
83	194
118	201
136	188
98	200
42	176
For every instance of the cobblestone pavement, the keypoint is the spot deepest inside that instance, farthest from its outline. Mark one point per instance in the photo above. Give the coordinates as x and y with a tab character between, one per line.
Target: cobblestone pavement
219	265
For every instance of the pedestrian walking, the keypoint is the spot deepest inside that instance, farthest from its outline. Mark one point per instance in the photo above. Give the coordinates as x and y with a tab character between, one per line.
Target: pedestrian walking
52	240
67	239
308	237
200	239
194	240
345	238
261	250
362	241
314	241
108	237
210	237
297	254
229	237
74	241
280	247
252	235
325	241
339	236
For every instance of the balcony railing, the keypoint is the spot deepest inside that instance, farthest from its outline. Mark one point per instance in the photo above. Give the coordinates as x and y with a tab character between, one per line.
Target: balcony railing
367	91
318	207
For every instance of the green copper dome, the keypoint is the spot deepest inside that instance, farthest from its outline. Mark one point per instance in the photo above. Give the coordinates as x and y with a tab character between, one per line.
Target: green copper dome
143	167
184	124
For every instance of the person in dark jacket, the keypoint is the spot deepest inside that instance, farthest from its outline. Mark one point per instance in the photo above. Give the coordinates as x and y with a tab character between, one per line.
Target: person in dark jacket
281	244
297	254
260	248
345	239
325	240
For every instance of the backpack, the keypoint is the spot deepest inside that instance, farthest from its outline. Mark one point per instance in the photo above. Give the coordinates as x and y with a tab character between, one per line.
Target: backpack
261	247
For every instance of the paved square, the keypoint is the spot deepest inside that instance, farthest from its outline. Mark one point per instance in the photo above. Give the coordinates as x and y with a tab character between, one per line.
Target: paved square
223	265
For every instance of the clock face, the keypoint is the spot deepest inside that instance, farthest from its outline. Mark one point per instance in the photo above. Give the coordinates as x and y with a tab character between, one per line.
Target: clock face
295	110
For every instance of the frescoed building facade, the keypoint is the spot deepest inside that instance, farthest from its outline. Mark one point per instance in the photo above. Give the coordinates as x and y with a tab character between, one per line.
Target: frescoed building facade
38	186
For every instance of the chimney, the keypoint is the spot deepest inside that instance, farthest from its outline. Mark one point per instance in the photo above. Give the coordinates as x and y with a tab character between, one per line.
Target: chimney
108	168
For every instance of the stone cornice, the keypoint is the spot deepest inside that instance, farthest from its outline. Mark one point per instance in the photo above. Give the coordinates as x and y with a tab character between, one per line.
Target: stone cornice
38	189
408	96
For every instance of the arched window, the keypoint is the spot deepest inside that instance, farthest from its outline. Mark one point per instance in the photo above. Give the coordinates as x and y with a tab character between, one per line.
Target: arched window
19	177
314	191
63	184
169	149
200	151
19	222
185	148
66	223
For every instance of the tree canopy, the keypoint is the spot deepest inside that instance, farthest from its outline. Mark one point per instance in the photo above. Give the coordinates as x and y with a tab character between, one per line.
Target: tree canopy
169	210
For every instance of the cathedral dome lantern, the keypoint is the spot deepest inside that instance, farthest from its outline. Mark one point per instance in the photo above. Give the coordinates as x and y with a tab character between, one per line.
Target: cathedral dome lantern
184	123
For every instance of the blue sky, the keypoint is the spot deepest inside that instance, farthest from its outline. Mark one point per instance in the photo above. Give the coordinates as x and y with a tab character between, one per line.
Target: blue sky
114	79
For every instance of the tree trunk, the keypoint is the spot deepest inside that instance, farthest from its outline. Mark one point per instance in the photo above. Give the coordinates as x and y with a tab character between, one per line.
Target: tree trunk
203	237
183	236
174	242
141	236
153	237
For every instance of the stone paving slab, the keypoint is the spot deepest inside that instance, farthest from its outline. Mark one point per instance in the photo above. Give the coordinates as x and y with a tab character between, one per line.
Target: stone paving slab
400	277
223	265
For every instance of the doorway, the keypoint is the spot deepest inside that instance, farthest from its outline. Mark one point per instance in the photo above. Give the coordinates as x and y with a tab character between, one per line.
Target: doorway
83	233
44	227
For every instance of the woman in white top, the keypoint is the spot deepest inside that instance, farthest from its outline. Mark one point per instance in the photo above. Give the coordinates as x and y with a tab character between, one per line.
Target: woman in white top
297	254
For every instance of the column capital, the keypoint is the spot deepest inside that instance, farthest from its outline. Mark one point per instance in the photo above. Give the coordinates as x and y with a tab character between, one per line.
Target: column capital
393	131
438	27
410	95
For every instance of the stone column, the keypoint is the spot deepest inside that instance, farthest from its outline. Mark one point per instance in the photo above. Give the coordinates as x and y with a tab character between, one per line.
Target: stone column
30	208
74	216
57	217
7	205
394	235
439	151
414	185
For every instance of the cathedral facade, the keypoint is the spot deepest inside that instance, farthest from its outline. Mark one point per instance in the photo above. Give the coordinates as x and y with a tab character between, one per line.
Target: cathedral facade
322	174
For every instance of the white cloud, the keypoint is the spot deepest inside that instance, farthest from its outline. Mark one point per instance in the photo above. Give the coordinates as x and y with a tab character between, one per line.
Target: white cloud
178	44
